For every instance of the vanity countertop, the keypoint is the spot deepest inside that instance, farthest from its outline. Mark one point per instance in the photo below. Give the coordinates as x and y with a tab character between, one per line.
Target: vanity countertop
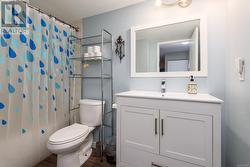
171	96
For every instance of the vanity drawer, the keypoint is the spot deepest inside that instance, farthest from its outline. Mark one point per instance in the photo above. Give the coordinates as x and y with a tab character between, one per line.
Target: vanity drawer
137	158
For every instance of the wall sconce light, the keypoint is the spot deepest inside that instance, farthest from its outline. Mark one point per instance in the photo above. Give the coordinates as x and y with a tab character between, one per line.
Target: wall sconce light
120	48
167	3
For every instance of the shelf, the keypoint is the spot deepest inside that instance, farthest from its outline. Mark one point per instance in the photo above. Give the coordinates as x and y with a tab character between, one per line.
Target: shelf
93	40
96	43
105	76
74	38
109	112
104	125
107	125
76	108
105	41
87	59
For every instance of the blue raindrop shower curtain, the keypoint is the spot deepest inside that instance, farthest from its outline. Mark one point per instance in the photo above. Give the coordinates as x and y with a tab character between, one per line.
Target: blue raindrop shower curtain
34	89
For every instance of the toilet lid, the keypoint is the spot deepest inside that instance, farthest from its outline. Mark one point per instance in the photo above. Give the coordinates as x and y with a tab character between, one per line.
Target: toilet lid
69	133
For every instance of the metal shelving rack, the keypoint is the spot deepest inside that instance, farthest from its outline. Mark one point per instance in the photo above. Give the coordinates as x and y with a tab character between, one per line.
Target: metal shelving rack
101	41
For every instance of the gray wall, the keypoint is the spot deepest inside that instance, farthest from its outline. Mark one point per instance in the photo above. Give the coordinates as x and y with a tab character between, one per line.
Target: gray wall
237	92
118	22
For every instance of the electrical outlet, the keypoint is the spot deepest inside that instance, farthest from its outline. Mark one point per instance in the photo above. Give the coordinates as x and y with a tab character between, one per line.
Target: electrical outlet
243	165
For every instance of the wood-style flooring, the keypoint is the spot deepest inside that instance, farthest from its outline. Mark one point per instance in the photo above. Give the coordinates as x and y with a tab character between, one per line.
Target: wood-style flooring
94	161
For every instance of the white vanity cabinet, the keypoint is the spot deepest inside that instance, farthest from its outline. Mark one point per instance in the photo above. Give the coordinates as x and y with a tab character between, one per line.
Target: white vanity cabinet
177	130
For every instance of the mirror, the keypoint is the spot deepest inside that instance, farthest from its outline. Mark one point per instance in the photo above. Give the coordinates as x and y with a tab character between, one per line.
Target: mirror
173	49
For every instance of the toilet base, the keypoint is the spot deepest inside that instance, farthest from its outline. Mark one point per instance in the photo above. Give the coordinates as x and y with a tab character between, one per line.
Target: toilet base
73	159
85	156
76	158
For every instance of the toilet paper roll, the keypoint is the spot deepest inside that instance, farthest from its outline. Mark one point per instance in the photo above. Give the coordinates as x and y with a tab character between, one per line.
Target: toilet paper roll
96	48
98	54
90	49
91	54
86	55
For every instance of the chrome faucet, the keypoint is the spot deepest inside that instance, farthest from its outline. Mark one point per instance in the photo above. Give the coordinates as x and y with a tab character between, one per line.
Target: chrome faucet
163	87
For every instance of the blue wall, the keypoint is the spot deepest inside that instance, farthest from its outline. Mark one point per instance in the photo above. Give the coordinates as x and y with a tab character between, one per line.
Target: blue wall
238	92
120	21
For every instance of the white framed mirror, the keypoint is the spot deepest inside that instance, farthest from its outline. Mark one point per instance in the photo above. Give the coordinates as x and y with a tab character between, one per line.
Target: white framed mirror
173	48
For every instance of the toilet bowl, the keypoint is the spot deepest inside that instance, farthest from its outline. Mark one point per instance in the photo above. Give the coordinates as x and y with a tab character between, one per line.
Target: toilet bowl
72	144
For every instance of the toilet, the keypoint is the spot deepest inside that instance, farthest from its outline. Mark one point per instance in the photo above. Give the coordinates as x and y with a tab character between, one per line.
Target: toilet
72	144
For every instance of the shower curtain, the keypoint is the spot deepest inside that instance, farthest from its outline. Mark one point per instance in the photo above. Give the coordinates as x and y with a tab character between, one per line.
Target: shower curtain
34	89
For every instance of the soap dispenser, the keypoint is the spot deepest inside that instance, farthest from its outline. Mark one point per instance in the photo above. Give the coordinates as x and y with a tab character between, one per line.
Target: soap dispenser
192	87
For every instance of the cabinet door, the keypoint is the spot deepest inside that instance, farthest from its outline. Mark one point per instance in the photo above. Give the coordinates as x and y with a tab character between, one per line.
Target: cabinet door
140	129
186	137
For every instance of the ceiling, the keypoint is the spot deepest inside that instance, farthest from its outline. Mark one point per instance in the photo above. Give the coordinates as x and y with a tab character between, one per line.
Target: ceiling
74	10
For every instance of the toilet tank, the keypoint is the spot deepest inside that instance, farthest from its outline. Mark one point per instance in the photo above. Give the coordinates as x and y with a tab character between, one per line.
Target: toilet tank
91	112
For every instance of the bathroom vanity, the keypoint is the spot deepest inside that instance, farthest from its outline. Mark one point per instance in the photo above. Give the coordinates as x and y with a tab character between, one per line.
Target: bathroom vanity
174	130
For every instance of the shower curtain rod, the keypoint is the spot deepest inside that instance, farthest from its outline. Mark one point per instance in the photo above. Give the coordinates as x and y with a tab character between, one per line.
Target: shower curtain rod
41	11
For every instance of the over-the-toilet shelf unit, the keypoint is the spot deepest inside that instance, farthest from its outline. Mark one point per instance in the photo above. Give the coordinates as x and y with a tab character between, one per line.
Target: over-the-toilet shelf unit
104	39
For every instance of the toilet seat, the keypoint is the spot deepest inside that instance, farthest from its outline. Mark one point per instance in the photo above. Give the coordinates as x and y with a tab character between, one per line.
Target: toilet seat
68	138
69	134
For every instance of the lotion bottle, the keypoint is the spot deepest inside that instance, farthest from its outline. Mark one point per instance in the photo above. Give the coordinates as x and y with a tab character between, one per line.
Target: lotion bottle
192	87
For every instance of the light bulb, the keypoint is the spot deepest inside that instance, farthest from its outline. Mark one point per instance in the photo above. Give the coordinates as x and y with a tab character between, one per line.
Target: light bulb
184	3
158	2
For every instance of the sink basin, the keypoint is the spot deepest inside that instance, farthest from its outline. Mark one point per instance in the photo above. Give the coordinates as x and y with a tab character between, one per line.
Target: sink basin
171	96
